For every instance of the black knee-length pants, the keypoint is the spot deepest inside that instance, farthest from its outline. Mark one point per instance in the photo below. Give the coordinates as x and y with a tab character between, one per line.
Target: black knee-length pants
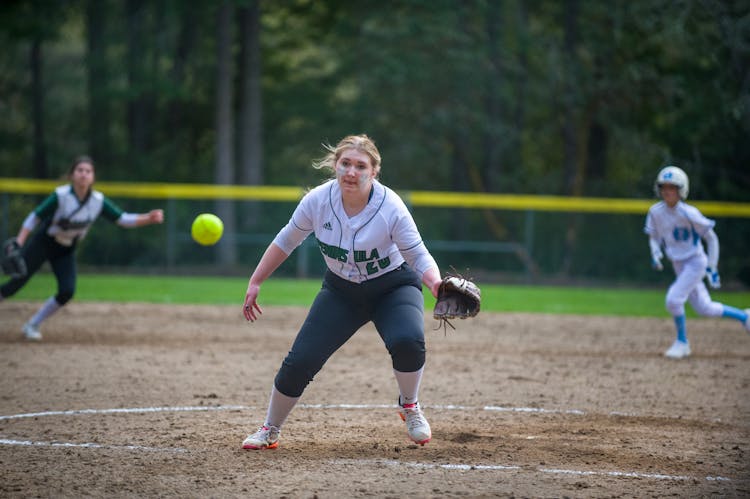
36	251
393	302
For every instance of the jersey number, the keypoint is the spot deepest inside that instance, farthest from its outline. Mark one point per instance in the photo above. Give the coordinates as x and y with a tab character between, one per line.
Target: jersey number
372	268
374	257
681	234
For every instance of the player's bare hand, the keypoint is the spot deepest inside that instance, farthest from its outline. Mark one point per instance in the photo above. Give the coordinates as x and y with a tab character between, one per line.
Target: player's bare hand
156	216
251	310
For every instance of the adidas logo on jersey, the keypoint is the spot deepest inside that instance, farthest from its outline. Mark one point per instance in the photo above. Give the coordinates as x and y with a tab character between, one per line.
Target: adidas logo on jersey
327	226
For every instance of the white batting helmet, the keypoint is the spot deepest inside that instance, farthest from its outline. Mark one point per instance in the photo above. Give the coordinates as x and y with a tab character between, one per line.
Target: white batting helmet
673	176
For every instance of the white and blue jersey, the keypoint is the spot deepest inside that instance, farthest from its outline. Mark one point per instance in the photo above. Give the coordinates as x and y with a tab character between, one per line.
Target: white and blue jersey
679	230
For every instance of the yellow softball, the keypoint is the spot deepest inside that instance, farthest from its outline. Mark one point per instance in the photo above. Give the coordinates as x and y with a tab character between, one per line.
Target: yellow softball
207	229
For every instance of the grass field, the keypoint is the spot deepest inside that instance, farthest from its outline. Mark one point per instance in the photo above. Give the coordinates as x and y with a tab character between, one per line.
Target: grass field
495	298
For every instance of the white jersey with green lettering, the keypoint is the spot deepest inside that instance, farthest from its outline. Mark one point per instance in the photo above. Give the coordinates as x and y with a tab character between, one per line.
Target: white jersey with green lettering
375	241
67	219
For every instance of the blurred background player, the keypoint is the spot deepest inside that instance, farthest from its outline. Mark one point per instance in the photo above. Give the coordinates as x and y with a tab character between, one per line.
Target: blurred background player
65	216
376	260
678	228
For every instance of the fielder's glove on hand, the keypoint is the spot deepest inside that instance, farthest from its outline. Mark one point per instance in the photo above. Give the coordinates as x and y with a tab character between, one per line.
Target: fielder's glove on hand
11	260
712	276
457	298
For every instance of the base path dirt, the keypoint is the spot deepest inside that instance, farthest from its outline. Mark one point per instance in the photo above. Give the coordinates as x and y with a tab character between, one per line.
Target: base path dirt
124	400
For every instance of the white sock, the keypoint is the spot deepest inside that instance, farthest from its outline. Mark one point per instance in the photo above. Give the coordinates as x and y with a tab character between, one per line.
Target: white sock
279	408
48	308
408	385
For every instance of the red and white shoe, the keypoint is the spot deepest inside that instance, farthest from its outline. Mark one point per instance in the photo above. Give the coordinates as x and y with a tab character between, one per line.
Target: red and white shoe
416	425
267	437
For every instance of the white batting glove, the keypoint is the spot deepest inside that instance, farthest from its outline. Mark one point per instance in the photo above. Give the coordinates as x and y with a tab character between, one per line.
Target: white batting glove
656	263
712	276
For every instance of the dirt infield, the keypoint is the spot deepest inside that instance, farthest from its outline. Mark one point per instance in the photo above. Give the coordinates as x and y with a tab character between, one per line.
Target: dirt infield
127	400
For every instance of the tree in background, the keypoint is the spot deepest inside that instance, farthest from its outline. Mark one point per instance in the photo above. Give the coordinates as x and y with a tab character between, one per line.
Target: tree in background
100	119
251	109
224	172
574	98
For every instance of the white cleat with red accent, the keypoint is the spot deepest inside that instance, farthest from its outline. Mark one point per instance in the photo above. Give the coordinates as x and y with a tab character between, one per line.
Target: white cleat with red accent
267	437
416	425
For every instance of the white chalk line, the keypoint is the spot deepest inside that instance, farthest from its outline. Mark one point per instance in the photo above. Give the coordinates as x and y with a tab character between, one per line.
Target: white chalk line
88	445
499	467
126	410
460	467
199	408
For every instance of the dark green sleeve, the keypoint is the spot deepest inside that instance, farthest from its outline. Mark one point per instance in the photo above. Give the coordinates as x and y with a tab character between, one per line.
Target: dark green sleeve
47	207
110	210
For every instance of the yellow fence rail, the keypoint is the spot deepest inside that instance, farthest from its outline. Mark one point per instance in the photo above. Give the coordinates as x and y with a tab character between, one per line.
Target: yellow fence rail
437	199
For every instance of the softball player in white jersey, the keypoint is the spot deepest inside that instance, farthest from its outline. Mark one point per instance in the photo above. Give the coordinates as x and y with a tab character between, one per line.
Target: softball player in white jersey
64	219
376	260
678	228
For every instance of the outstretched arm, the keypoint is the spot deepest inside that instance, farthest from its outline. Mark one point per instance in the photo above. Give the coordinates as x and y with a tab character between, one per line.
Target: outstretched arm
152	217
140	219
269	262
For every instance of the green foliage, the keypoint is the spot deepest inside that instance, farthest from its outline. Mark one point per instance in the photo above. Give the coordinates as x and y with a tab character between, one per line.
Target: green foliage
279	291
444	87
546	97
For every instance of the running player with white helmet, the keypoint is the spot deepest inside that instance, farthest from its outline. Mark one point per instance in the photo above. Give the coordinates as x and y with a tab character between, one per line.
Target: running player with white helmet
677	228
376	260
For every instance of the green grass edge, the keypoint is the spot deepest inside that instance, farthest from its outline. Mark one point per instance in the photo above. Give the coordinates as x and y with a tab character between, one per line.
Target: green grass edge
292	292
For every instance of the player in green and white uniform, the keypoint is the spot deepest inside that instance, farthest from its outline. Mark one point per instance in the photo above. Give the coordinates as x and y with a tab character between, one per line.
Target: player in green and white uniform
376	263
64	218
